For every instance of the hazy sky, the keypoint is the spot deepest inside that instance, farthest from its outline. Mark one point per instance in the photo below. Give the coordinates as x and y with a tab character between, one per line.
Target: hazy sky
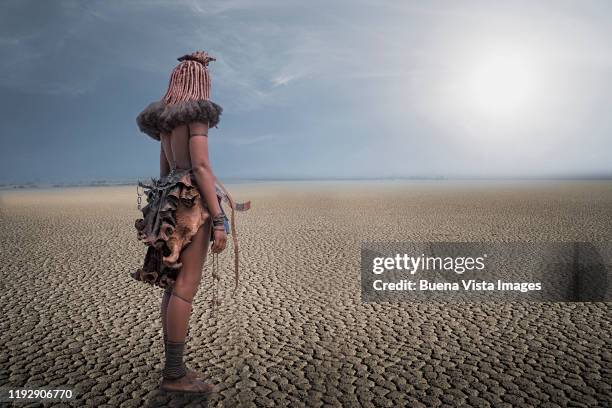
312	88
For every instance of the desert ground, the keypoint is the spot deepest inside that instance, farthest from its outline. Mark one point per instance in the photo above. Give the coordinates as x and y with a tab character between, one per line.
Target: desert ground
297	333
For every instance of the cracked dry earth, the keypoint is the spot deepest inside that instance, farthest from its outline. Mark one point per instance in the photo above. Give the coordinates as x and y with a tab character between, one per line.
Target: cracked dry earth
297	334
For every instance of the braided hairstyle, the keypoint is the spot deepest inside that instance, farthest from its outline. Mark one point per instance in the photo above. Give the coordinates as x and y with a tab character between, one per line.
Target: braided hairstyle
190	79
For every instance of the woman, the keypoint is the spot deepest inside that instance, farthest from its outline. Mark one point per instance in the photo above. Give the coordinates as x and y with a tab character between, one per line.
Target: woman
184	210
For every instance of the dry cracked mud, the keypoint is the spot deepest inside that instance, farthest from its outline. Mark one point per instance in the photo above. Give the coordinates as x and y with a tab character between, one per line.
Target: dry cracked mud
297	334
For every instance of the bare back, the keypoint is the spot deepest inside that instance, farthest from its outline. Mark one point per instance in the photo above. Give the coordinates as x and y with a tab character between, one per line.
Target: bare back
176	146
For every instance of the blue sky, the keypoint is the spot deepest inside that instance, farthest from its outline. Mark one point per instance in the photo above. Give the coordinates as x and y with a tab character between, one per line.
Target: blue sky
312	89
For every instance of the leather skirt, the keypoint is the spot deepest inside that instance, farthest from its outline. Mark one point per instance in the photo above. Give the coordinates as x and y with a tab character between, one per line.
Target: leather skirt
174	212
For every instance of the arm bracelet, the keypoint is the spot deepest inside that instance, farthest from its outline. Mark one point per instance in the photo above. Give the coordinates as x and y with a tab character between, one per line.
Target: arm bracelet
218	219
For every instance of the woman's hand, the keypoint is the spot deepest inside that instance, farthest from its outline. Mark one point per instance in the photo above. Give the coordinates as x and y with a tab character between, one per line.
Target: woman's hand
219	241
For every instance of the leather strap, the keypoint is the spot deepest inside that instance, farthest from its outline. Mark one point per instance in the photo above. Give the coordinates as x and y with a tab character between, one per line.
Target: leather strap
234	207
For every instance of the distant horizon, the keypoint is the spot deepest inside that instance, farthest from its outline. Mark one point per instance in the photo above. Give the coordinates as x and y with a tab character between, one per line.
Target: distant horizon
243	180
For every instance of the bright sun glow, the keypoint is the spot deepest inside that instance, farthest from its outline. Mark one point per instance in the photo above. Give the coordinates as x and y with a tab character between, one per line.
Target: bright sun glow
501	86
494	91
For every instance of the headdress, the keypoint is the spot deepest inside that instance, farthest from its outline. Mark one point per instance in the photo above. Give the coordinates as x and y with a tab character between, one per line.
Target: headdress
187	98
190	79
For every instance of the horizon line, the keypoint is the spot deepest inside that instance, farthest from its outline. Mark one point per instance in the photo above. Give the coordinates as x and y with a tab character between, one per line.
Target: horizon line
243	180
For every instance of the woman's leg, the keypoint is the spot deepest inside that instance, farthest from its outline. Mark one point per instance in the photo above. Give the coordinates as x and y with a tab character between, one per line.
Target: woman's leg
164	312
187	284
178	313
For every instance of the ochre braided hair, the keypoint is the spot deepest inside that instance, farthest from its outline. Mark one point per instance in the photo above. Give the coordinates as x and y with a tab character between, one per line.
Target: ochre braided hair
190	80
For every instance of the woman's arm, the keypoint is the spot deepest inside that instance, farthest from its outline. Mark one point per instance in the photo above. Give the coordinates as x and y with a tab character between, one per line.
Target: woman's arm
164	166
202	170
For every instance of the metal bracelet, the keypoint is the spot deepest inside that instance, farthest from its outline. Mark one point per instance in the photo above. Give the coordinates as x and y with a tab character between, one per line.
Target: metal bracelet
218	219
